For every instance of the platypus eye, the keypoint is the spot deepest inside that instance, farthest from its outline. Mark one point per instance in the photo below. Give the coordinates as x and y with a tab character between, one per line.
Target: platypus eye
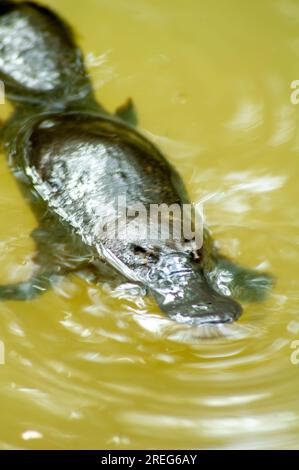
145	252
139	250
197	256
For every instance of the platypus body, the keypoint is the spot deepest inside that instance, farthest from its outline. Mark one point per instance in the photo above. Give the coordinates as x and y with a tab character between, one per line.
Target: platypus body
73	160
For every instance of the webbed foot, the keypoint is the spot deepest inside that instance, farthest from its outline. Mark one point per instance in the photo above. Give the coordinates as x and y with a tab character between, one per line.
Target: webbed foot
28	290
244	284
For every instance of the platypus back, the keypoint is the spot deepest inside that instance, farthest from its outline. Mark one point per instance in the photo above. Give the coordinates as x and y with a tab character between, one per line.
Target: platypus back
80	165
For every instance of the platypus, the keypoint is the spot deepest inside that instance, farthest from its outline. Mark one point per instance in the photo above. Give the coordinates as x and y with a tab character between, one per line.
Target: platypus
73	159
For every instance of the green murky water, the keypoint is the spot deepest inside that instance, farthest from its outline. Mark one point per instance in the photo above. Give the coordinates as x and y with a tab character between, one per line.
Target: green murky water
92	367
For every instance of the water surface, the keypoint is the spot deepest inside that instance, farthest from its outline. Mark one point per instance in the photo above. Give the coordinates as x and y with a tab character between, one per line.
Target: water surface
99	367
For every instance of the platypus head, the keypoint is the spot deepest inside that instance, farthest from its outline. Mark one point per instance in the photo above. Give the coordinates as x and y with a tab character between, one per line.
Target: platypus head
180	288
